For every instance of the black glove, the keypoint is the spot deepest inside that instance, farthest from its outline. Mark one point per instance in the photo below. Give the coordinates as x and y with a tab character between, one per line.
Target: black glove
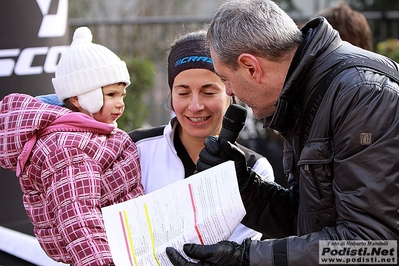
223	253
219	151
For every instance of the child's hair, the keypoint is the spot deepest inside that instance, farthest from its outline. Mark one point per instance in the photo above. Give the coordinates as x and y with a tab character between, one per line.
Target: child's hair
68	104
85	68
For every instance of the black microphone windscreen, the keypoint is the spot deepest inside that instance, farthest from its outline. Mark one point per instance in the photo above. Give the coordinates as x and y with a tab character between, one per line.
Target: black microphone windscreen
233	122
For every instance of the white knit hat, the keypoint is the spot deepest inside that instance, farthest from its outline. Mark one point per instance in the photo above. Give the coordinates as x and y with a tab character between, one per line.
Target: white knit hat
85	68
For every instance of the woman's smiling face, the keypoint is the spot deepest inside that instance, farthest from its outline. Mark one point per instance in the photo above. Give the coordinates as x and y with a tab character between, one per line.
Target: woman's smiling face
199	101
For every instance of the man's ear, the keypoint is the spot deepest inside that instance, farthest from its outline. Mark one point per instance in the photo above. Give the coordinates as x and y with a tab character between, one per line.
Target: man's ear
251	64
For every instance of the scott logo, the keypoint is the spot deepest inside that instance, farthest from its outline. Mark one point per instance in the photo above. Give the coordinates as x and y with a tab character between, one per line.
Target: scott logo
52	25
23	66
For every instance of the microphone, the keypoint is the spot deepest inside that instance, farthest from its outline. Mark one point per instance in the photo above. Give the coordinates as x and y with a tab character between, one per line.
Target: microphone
233	122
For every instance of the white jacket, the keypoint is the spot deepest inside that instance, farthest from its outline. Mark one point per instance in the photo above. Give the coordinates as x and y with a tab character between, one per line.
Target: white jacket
160	165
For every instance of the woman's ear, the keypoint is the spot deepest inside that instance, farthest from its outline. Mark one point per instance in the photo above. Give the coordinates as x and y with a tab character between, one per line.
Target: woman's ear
251	64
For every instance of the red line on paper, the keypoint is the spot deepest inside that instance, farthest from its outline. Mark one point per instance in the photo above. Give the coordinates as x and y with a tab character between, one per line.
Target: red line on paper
195	214
125	237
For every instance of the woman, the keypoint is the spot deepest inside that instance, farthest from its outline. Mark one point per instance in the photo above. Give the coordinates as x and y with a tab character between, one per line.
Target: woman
198	99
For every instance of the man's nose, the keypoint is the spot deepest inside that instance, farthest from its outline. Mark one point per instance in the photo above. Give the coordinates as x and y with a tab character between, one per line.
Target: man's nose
228	89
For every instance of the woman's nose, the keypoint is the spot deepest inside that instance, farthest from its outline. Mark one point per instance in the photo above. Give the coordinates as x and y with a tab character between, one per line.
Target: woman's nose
195	104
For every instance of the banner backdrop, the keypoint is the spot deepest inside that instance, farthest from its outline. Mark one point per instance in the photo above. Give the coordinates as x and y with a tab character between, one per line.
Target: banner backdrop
33	36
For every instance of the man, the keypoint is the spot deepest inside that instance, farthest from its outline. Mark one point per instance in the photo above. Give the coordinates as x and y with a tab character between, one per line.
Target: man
339	115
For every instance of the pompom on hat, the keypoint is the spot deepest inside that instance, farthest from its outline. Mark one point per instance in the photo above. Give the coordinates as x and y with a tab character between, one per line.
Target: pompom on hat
85	68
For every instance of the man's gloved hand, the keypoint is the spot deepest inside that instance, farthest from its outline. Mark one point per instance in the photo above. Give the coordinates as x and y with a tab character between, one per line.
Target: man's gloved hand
217	152
224	253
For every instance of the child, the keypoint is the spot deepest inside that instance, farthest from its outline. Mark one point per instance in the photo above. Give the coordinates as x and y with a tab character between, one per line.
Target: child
70	164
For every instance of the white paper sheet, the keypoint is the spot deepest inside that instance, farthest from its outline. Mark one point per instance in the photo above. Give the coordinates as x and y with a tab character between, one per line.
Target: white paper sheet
204	208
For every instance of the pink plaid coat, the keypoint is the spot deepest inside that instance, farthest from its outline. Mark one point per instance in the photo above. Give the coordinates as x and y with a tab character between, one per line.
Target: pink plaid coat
69	166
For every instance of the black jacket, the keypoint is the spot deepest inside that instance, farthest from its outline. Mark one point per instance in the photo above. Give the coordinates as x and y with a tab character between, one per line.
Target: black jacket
345	175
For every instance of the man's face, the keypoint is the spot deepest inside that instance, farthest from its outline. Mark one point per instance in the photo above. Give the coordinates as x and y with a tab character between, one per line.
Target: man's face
261	93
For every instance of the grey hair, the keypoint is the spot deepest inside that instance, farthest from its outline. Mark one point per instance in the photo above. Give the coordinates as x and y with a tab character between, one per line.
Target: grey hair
259	27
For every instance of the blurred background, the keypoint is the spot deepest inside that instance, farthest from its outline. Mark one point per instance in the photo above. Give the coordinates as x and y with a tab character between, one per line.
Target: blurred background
34	34
141	32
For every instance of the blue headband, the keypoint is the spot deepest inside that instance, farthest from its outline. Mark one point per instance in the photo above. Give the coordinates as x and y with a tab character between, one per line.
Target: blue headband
188	55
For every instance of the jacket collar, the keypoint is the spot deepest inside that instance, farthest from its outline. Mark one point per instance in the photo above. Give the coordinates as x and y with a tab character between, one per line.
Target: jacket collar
169	132
317	38
78	122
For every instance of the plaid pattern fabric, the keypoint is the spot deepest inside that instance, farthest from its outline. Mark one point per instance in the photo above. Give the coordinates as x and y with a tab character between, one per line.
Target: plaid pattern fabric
68	177
20	118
